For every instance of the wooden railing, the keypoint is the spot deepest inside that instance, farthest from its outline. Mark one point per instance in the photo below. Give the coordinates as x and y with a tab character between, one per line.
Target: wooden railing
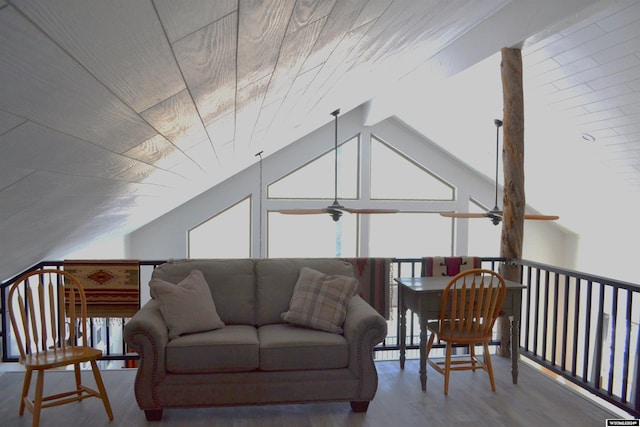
585	329
581	327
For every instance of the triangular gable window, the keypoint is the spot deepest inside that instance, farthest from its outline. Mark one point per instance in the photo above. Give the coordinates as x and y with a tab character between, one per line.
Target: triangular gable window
231	226
396	177
315	180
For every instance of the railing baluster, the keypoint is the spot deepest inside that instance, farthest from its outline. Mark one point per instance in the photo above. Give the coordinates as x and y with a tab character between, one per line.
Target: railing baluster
587	330
576	328
614	322
536	314
627	343
554	319
565	324
527	308
545	322
599	338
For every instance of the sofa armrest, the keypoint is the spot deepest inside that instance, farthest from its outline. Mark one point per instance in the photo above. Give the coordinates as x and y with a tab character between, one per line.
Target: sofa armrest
364	328
146	333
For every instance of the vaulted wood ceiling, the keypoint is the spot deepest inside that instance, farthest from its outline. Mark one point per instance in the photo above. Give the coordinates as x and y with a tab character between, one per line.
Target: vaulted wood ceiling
114	112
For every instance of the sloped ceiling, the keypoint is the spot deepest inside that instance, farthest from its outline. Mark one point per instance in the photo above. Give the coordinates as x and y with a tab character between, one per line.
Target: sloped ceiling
114	112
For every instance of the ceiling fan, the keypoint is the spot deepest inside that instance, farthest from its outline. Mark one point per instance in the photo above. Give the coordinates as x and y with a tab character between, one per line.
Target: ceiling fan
495	214
335	210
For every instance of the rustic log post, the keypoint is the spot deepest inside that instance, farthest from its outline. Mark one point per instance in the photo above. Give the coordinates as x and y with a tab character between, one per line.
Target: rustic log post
513	199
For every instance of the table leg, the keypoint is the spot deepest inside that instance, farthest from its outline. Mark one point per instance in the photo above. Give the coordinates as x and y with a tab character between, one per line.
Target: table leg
402	328
515	341
423	352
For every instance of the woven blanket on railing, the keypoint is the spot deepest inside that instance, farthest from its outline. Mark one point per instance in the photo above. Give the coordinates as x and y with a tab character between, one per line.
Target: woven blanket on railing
375	275
448	266
112	287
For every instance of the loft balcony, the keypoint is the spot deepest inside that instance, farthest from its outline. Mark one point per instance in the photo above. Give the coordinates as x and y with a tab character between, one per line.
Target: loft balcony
578	351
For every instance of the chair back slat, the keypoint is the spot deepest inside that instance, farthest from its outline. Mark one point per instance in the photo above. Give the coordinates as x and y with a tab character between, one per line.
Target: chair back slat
43	319
52	315
32	319
23	317
62	342
71	313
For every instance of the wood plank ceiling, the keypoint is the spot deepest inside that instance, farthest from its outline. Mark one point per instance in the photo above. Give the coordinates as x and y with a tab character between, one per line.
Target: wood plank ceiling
114	112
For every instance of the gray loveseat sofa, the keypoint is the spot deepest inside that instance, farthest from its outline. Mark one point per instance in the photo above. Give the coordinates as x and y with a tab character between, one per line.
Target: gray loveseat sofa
256	357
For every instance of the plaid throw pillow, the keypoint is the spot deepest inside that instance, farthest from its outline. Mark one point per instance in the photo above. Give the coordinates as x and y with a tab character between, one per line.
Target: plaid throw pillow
319	301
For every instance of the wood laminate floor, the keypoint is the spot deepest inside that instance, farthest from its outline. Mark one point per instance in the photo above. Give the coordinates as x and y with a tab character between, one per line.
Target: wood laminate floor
537	400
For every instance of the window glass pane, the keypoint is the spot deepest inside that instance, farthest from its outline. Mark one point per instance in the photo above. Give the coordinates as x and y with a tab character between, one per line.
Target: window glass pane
302	236
395	177
484	237
315	180
226	235
410	235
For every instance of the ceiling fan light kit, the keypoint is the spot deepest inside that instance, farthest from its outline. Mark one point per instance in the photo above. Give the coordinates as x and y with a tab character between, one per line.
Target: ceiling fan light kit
335	210
496	214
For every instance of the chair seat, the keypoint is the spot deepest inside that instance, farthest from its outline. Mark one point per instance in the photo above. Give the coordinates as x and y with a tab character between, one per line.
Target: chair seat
60	357
447	333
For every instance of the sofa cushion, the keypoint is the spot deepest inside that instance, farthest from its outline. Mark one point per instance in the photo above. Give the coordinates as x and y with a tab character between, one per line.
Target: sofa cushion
276	278
186	307
286	347
234	348
231	281
320	300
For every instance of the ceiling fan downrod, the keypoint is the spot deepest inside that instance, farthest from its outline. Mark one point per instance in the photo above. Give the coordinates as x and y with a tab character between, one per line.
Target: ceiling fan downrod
496	214
335	210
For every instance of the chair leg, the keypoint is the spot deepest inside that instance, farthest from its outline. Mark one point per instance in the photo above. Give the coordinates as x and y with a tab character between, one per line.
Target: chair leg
76	371
26	385
37	400
472	354
430	343
447	367
101	389
487	361
426	356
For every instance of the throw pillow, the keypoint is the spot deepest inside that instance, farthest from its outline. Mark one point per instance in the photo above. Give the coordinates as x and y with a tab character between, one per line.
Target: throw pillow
187	307
319	301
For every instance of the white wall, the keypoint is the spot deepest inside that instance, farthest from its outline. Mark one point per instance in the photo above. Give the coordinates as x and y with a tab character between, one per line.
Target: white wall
548	243
116	248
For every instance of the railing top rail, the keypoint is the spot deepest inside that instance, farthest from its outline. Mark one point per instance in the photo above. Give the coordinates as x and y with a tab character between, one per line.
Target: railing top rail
527	263
33	267
578	275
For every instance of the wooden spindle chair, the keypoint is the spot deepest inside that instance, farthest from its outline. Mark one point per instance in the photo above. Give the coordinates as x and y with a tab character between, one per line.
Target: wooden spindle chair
469	307
48	316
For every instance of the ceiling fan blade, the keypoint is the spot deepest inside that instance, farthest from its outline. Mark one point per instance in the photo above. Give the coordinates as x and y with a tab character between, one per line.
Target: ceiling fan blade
542	217
302	211
463	215
371	211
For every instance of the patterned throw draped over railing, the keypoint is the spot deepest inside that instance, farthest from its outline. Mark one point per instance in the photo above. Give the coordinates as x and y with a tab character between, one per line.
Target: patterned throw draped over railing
112	287
448	266
375	276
